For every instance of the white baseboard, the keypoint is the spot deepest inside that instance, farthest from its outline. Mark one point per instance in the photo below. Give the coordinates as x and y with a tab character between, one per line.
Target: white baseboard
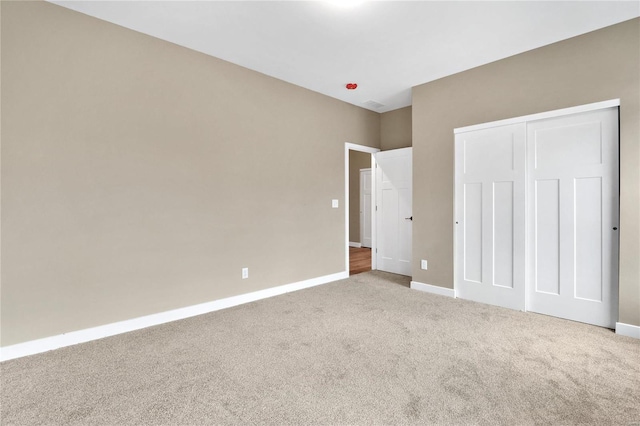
73	338
356	245
434	289
628	330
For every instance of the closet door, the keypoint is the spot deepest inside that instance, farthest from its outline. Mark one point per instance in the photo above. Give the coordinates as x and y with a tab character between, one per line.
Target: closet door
490	216
573	214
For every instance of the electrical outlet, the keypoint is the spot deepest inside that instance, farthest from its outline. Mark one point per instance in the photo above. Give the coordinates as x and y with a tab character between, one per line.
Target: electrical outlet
245	273
423	264
334	204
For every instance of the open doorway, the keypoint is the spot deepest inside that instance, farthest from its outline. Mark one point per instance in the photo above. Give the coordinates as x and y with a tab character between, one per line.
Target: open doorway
359	212
359	208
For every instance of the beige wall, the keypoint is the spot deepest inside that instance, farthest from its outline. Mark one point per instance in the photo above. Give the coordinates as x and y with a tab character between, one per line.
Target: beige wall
598	66
395	129
357	160
139	176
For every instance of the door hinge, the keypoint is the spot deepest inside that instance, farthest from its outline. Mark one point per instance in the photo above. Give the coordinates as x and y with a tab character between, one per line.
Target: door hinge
376	208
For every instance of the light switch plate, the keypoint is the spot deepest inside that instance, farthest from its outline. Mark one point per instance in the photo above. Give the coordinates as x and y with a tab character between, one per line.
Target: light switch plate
423	264
334	204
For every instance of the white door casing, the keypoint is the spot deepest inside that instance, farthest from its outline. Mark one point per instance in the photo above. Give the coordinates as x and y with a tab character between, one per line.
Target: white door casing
394	210
573	203
365	207
490	215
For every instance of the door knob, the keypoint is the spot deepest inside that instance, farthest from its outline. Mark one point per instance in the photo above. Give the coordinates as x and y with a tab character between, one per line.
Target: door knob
409	218
615	228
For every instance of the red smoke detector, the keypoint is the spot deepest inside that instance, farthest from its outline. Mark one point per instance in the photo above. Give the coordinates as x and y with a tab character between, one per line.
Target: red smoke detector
352	86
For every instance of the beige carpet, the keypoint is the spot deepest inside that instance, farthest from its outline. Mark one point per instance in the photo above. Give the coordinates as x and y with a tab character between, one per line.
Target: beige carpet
359	351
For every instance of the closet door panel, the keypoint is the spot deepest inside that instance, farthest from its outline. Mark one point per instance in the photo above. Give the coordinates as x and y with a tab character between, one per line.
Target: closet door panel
588	255
503	237
547	236
472	229
490	187
573	209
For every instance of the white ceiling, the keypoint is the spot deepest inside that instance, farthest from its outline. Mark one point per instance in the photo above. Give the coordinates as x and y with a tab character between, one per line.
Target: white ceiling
386	47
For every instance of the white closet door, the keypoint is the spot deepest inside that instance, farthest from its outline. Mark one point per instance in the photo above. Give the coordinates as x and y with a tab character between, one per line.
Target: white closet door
573	210
394	210
490	216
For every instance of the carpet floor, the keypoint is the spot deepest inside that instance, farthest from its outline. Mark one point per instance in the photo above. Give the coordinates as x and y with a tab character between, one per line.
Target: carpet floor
364	350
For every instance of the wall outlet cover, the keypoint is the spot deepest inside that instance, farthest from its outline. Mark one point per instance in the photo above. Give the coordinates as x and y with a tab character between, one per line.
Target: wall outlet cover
423	264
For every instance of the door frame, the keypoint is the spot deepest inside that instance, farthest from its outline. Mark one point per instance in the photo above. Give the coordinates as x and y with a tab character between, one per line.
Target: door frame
369	150
515	120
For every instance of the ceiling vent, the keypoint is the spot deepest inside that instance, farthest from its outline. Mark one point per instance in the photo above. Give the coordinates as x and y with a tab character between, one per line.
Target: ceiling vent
373	104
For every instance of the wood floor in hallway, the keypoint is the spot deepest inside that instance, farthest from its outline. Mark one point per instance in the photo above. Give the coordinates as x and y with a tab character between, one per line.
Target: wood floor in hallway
359	260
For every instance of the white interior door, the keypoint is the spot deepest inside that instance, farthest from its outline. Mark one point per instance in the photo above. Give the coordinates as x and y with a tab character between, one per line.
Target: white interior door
394	210
365	208
490	216
573	209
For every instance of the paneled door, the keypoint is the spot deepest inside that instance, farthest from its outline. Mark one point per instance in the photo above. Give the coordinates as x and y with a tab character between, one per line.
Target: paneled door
365	208
490	216
573	204
394	210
